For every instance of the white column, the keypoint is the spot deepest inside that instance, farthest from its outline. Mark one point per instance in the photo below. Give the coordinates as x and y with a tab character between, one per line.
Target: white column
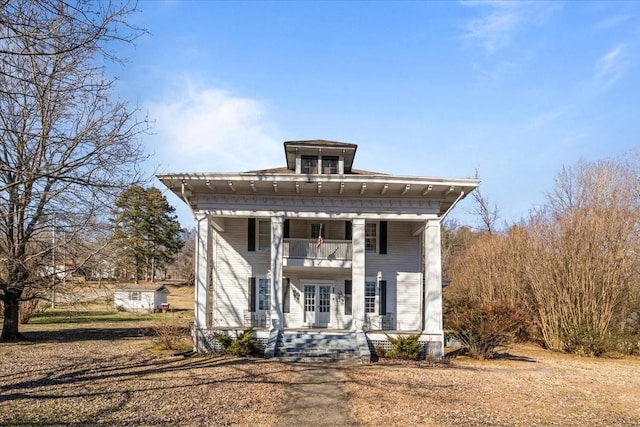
357	274
433	283
277	241
202	270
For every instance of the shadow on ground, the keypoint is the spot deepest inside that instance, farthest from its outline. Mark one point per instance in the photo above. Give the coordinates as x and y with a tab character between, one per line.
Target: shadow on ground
85	334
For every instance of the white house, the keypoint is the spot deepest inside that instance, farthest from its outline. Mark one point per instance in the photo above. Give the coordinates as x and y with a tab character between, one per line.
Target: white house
146	298
318	245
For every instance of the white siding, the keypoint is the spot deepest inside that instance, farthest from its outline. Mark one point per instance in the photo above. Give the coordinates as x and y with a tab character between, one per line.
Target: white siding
403	255
409	302
147	300
233	265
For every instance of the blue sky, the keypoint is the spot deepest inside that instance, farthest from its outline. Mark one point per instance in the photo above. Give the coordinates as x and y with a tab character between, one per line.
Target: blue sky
515	90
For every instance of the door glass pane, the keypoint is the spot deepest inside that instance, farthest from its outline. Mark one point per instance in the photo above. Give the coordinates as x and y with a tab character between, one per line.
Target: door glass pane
309	298
310	304
324	302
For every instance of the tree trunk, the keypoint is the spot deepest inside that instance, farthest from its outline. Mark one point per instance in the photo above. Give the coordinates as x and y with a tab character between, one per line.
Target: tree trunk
11	318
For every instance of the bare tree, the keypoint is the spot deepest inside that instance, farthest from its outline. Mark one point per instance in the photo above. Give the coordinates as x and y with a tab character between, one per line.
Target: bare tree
66	149
184	262
583	262
490	268
484	210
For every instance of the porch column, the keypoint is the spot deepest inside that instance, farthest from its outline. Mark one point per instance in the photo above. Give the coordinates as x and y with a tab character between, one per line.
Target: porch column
277	242
202	270
433	289
357	274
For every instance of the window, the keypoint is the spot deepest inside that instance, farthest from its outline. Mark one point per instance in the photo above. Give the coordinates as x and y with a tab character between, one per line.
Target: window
264	294
135	296
264	235
317	228
329	164
370	297
309	164
347	297
286	286
370	238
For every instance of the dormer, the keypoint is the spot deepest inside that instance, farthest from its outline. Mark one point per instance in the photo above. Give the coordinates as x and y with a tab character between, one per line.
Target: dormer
319	157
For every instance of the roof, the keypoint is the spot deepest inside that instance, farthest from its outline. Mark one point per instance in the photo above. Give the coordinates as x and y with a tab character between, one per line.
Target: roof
141	288
238	194
320	147
275	171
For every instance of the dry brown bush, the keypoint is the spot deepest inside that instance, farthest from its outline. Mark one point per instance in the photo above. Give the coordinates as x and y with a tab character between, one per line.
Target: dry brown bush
171	333
573	265
583	262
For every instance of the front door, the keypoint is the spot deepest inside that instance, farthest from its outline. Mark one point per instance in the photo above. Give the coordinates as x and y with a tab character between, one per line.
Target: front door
317	305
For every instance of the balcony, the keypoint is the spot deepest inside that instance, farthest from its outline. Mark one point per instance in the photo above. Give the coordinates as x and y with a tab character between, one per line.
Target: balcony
307	253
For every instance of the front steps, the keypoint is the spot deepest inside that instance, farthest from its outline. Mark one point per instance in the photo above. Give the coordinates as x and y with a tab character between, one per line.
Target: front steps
312	346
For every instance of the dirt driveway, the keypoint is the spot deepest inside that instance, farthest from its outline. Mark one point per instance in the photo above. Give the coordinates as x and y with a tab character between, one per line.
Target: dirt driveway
113	376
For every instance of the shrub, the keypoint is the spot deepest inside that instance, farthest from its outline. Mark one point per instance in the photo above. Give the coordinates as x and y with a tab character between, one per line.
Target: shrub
405	348
628	344
171	335
585	341
381	352
482	327
245	344
224	340
30	308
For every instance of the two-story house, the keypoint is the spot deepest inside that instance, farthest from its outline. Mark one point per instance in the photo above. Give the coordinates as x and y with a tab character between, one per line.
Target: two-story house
318	245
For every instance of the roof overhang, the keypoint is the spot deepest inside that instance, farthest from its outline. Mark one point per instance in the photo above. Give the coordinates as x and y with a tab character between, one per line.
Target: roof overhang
192	186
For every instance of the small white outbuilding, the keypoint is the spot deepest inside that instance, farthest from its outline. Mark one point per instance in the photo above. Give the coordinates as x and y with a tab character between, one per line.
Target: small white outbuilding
147	298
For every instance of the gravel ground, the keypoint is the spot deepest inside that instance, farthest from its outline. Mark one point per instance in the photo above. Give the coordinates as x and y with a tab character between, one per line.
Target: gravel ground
114	376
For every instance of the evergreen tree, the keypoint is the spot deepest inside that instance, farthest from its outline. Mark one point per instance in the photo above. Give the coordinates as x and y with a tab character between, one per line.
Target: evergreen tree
147	230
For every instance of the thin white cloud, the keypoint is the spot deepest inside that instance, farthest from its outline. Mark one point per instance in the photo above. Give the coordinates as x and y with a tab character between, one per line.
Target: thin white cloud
199	129
545	119
612	22
499	21
493	30
610	67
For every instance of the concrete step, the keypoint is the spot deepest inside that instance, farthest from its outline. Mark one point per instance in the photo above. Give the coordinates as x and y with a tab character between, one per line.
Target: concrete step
309	346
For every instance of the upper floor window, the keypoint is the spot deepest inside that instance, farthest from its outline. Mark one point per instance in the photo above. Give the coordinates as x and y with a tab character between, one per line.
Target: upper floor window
309	164
370	237
329	164
264	235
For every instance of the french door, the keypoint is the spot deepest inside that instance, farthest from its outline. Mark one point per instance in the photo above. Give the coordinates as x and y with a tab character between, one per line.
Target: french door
317	305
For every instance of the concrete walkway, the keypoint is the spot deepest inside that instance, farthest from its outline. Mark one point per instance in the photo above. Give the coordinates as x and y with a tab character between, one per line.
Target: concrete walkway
317	397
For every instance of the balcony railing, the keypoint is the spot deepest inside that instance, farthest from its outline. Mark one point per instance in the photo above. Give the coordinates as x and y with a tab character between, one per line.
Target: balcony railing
309	249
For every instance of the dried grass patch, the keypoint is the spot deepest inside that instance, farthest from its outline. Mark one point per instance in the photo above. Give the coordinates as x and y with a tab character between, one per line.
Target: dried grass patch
530	387
122	382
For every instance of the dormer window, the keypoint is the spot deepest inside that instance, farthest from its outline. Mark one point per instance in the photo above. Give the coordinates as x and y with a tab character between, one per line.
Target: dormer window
319	157
309	164
330	164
